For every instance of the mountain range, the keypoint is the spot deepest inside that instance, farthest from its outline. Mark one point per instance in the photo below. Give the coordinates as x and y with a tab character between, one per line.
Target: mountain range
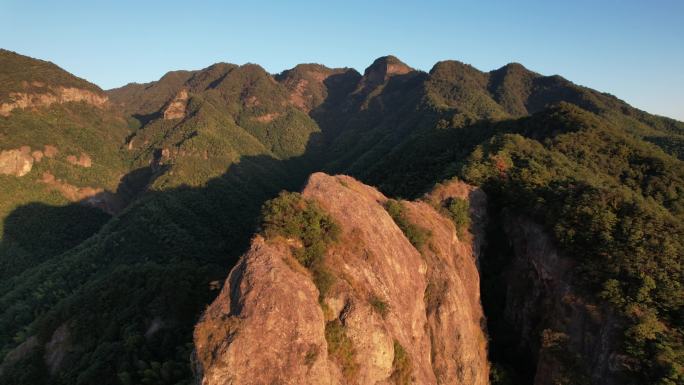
123	212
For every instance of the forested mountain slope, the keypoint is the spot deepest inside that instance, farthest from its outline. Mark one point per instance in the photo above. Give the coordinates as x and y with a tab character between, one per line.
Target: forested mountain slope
123	211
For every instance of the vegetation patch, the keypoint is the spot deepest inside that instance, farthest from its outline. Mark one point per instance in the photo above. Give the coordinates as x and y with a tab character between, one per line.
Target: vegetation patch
379	306
341	348
311	356
291	216
417	235
401	365
571	370
613	203
458	210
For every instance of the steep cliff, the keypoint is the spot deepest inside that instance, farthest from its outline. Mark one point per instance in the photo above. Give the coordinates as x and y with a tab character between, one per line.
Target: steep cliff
572	339
387	310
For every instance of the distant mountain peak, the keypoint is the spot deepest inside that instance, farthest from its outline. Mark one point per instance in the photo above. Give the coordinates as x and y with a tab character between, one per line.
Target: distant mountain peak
514	66
385	67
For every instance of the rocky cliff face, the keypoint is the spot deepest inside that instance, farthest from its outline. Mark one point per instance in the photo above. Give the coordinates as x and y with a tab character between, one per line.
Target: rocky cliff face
394	313
552	319
176	107
53	95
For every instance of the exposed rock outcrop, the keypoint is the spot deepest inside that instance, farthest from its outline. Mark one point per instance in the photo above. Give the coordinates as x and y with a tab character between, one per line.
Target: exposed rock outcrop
175	109
309	85
18	162
404	315
382	69
69	191
50	151
37	156
55	95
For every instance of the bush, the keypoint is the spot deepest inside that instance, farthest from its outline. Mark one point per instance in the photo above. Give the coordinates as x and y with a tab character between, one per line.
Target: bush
401	365
341	348
458	210
379	305
291	216
417	235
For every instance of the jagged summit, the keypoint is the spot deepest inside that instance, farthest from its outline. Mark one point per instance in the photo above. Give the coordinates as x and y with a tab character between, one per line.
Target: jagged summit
393	319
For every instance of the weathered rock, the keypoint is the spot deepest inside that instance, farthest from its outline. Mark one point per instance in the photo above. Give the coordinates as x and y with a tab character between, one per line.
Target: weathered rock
382	69
175	109
57	95
306	84
267	325
18	162
50	151
37	155
264	324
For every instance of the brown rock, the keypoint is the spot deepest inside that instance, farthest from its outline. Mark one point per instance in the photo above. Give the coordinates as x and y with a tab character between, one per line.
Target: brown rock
18	162
267	326
57	95
175	109
382	69
265	323
50	151
37	155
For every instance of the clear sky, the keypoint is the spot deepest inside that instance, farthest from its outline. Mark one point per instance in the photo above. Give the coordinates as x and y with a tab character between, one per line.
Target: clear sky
633	49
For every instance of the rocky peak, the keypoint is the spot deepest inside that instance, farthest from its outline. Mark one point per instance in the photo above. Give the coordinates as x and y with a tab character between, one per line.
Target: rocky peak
391	311
383	68
310	84
387	66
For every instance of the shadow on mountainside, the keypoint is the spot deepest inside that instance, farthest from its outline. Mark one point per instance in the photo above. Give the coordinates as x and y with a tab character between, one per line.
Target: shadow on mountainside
36	232
115	300
121	302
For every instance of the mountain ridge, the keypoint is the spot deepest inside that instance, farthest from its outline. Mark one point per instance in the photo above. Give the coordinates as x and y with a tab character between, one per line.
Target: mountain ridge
193	156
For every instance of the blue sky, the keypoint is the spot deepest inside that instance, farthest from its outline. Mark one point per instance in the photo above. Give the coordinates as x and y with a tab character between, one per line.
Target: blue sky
633	49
